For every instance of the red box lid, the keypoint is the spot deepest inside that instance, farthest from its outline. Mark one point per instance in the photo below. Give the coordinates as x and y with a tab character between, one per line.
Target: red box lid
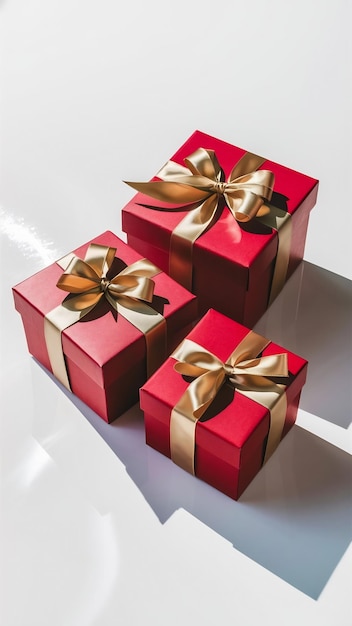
104	346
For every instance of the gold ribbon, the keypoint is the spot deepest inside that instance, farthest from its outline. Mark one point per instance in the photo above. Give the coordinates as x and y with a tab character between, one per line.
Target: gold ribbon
249	375
128	293
246	192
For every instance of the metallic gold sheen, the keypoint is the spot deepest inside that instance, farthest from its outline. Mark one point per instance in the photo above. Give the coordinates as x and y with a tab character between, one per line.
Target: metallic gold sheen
247	193
128	293
280	221
249	375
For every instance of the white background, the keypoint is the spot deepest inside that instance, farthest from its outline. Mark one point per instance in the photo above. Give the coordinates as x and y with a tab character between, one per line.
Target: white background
99	530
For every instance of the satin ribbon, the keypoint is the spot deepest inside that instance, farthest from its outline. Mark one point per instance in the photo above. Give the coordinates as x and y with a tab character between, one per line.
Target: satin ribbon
246	193
247	372
128	294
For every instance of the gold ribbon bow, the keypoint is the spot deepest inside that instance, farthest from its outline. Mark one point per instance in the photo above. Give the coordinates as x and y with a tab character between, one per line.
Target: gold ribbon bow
246	193
249	375
128	293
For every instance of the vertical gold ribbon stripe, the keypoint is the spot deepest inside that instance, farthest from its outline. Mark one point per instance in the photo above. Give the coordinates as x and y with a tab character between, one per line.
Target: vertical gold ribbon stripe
249	375
281	222
55	322
247	193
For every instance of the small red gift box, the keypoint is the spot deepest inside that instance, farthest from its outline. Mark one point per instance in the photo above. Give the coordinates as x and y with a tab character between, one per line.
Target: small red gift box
233	263
105	354
229	438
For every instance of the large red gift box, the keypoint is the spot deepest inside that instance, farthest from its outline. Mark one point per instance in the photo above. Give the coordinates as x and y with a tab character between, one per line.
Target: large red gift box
233	263
104	353
231	437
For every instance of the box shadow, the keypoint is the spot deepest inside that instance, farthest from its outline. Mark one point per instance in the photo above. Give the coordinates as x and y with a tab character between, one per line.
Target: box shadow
312	317
294	519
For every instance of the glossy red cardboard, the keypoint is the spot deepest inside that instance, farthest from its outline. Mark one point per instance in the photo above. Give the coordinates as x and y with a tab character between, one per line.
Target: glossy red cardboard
104	353
231	436
232	264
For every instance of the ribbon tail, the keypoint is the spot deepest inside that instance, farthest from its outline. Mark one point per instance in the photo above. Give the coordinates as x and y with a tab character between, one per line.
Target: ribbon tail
168	191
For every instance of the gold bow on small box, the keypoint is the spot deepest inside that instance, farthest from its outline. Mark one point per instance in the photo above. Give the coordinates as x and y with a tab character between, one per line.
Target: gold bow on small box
248	373
201	185
129	293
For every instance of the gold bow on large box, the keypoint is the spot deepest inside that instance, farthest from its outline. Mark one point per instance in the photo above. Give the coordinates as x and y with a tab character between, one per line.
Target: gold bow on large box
201	184
245	370
129	293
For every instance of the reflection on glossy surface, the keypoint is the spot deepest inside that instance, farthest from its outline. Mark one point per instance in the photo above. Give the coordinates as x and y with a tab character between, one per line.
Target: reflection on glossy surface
31	465
26	238
231	226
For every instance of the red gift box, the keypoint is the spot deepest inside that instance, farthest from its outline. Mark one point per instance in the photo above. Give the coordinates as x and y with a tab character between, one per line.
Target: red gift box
233	263
231	437
105	354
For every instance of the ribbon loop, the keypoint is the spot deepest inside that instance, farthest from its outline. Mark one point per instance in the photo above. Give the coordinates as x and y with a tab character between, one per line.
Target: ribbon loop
209	372
198	187
130	292
80	278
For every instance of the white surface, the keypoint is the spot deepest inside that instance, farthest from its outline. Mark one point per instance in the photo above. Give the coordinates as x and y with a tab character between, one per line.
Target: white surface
99	530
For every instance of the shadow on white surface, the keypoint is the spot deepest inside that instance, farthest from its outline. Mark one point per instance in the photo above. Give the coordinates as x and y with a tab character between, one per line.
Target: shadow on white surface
294	519
312	317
